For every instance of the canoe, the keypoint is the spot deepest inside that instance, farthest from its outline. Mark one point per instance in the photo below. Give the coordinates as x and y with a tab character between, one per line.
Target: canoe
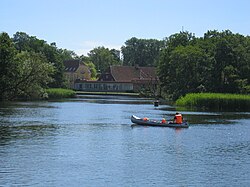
140	121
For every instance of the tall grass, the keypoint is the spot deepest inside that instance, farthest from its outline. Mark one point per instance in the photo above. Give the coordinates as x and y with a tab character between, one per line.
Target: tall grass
59	93
216	101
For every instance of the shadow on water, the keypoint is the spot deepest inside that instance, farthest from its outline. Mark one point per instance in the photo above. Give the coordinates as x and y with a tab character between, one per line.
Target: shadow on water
195	116
91	140
28	131
207	117
22	120
34	119
112	99
201	116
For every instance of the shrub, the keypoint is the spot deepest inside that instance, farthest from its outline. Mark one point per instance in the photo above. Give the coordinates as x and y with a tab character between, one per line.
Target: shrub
58	93
215	101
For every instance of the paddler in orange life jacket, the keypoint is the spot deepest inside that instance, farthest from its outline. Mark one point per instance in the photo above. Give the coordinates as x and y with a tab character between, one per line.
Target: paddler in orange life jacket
178	118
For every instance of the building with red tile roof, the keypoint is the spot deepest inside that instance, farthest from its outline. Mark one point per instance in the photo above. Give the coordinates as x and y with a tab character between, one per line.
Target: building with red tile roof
128	73
123	79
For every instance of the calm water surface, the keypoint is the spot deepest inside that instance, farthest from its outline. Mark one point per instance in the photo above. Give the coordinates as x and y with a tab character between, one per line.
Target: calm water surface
89	141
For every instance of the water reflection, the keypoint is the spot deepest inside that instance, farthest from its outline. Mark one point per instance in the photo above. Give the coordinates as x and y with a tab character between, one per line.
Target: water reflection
9	133
113	99
24	120
89	141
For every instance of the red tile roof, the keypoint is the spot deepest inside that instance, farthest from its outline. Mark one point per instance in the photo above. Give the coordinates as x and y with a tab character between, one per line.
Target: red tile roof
130	73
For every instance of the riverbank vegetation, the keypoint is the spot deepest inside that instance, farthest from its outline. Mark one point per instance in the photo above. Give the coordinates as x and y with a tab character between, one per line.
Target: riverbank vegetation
108	93
218	62
59	93
215	101
28	66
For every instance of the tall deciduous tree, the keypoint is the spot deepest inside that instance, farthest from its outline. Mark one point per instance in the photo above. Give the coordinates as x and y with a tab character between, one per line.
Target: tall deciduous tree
7	64
217	62
142	52
34	74
24	42
186	71
87	61
102	58
22	74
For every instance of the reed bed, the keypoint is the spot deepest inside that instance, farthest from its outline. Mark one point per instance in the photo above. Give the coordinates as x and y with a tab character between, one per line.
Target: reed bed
217	101
59	93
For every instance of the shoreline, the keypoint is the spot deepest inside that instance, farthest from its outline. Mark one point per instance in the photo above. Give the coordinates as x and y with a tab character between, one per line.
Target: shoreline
108	93
218	101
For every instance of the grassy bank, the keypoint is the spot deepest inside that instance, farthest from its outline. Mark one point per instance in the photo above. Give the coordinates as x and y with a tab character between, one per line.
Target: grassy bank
59	93
107	93
216	101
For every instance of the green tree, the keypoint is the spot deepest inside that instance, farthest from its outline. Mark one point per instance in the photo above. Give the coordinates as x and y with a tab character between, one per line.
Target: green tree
24	42
55	57
231	65
179	39
87	61
142	52
217	62
102	58
116	53
22	74
174	60
65	53
92	69
7	64
34	74
184	71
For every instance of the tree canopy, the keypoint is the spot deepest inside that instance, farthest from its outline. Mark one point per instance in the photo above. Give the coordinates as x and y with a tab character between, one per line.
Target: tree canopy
54	55
102	58
142	52
8	64
28	65
24	73
217	62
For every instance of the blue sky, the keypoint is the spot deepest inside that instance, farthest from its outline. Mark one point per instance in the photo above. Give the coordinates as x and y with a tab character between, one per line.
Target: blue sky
81	25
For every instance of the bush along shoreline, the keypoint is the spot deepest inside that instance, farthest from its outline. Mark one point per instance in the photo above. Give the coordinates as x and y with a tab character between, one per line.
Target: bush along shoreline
60	93
216	101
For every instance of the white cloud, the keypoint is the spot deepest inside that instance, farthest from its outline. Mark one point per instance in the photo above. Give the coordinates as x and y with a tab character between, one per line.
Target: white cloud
87	46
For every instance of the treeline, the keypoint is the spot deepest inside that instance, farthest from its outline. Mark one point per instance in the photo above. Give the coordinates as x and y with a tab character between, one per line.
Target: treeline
216	62
216	101
29	65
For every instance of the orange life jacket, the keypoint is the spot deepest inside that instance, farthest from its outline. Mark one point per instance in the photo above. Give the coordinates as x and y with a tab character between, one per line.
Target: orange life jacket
178	118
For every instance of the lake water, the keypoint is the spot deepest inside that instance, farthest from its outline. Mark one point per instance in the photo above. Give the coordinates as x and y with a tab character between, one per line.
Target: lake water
89	141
